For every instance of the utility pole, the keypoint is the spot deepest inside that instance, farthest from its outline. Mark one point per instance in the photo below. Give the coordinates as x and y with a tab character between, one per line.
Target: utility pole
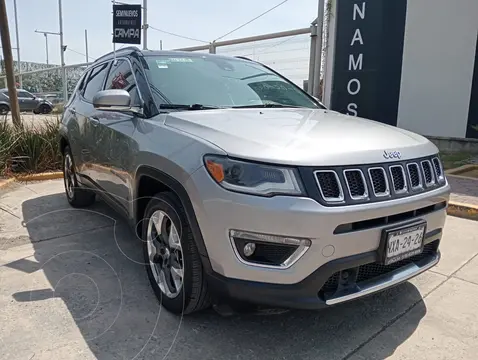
46	33
7	55
145	25
46	47
318	50
160	44
62	55
86	45
20	80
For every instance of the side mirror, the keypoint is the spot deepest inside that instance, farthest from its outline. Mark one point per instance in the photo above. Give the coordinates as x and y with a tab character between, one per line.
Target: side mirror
116	100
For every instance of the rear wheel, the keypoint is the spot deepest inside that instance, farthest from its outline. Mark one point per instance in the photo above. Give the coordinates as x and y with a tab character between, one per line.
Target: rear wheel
77	197
4	109
171	256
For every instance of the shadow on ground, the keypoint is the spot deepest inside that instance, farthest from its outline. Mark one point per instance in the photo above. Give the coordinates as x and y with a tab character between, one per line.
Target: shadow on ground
92	262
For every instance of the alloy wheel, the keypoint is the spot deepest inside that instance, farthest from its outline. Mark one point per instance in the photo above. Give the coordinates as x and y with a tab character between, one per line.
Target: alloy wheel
69	175
165	254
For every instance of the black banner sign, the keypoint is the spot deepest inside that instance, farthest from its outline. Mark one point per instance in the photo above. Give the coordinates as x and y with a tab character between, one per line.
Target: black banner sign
127	24
368	58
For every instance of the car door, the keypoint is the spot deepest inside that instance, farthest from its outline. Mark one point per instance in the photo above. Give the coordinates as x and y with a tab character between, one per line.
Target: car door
26	101
91	144
114	134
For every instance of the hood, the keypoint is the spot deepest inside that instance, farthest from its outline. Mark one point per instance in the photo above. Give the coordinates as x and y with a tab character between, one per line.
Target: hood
300	136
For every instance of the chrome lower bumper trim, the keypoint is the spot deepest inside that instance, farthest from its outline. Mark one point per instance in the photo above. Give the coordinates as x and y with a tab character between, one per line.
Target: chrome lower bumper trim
386	281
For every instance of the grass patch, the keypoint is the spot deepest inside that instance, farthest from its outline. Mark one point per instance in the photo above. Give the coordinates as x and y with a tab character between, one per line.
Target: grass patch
454	160
29	149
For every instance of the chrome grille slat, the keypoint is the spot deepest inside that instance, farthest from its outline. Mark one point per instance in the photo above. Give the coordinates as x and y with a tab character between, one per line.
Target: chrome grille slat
356	184
428	173
414	176
399	182
329	185
438	169
378	178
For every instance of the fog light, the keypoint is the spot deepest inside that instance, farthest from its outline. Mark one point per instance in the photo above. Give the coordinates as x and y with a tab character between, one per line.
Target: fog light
249	249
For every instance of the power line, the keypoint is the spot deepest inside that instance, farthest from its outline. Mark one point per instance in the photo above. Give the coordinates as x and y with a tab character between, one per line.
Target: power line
177	35
247	23
79	53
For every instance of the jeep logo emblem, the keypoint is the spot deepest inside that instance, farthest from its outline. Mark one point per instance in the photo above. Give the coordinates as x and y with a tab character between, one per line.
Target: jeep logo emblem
392	155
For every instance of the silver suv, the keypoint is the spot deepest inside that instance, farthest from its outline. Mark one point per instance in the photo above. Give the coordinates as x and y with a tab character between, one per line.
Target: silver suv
243	187
27	102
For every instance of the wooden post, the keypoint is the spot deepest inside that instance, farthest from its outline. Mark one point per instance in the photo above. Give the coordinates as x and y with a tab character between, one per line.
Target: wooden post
8	58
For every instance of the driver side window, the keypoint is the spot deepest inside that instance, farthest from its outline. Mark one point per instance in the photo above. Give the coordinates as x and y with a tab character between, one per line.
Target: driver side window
94	82
121	77
25	95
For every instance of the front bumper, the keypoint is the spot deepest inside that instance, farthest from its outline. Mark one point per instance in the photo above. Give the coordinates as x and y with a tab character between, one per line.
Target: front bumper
307	294
329	229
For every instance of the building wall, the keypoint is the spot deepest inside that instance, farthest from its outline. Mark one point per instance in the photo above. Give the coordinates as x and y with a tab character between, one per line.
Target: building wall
435	89
437	68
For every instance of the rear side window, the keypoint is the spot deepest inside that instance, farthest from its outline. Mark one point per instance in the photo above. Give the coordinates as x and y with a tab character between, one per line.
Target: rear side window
121	77
95	81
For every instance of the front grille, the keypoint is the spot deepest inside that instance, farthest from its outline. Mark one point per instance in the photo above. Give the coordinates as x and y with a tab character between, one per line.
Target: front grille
398	178
359	184
427	173
329	185
355	184
373	270
414	175
379	181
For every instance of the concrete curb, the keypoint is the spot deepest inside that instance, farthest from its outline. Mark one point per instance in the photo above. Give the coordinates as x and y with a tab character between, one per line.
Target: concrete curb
465	211
460	170
32	177
4	183
40	177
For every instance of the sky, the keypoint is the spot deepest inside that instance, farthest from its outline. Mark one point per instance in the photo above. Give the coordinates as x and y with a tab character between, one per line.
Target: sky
200	19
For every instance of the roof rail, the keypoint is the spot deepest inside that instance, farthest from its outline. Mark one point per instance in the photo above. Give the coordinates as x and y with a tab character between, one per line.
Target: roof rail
120	51
243	58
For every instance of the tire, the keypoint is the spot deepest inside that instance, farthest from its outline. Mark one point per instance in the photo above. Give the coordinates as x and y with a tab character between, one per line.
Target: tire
76	196
4	109
193	293
45	109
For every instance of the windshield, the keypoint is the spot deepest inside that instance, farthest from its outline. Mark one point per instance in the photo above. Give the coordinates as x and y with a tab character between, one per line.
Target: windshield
220	82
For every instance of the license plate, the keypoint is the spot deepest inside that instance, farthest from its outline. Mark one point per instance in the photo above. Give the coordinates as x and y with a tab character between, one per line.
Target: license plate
404	242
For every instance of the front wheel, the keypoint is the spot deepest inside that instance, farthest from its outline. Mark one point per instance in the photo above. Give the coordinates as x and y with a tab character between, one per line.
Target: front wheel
45	109
171	256
77	197
4	109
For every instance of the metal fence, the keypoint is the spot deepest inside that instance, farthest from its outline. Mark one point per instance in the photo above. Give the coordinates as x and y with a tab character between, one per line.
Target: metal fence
291	53
47	82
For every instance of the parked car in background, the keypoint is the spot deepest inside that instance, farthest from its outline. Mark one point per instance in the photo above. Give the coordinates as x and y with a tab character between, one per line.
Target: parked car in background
242	186
27	102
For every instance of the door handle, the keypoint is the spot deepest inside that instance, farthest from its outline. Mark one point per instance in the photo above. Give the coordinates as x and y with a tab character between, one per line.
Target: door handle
94	121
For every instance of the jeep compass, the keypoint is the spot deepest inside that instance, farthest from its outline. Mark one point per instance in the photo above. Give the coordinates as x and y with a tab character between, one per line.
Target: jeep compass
243	187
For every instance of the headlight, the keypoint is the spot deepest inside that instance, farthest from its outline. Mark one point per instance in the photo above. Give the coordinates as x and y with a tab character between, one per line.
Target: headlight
252	178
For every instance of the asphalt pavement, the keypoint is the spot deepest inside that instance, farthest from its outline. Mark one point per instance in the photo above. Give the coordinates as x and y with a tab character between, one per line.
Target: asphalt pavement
73	286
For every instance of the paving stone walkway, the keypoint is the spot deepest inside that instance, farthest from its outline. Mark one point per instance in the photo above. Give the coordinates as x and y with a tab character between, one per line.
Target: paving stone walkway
464	191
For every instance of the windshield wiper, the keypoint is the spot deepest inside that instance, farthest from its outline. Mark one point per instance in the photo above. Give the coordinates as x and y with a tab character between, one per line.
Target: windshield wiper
187	107
270	105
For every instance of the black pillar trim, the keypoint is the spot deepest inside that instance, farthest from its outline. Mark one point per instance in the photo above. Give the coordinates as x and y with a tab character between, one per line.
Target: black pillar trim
472	124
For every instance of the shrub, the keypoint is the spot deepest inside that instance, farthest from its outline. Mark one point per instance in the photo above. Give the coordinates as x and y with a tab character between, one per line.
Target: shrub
29	149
